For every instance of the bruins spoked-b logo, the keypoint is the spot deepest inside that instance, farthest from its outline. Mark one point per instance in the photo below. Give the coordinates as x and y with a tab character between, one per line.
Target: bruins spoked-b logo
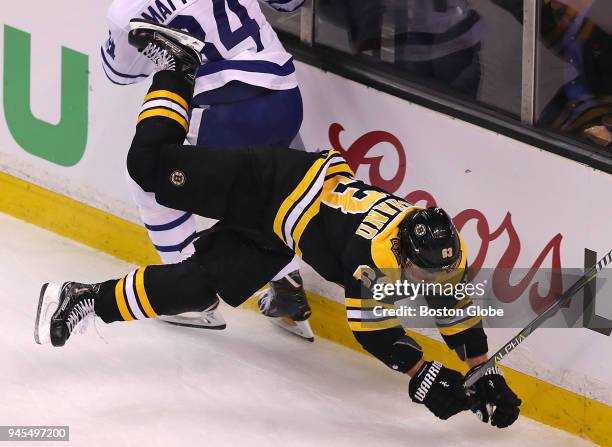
177	178
420	230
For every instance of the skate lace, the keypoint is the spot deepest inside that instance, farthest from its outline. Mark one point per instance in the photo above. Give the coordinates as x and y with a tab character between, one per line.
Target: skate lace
160	57
80	315
264	299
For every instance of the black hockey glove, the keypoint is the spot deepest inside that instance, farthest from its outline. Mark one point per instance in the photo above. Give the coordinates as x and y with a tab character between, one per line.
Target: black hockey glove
440	389
493	399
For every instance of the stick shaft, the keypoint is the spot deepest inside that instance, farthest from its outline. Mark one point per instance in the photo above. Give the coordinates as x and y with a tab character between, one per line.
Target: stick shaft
588	276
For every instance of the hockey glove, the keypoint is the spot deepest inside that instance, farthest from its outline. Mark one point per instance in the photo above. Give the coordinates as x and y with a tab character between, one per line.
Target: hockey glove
440	389
493	399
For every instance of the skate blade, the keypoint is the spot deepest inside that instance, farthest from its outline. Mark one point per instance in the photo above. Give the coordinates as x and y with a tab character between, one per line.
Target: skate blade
195	323
180	36
300	328
47	305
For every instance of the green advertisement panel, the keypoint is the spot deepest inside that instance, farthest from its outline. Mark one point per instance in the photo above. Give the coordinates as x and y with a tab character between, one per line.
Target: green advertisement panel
63	143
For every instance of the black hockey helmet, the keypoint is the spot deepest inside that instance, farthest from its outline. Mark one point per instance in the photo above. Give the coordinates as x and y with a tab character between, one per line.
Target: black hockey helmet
429	239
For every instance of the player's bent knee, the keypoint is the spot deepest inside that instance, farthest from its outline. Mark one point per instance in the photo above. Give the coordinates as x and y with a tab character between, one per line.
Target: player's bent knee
195	286
177	288
142	166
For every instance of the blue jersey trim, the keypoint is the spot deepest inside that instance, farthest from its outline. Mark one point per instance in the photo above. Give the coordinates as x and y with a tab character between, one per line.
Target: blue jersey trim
177	247
112	80
249	66
170	225
115	72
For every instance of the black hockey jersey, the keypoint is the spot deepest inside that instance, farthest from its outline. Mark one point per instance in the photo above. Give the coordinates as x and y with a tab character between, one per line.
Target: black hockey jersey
347	231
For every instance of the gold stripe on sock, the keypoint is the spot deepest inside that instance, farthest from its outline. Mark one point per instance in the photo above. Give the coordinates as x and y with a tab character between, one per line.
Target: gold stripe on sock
164	113
142	294
166	94
121	303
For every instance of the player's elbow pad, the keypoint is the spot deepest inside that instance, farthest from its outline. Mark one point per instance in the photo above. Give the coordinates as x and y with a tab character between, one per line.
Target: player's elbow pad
142	166
404	354
398	353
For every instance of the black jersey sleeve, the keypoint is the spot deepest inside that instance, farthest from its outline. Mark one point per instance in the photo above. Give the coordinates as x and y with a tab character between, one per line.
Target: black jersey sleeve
374	326
463	333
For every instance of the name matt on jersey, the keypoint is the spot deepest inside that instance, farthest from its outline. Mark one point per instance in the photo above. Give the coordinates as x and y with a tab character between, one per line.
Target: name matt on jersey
162	9
240	43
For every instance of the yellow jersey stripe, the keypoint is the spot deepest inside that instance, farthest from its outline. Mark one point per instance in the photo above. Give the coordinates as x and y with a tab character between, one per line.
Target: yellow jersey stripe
297	193
364	326
165	113
460	326
341	168
366	303
465	302
121	302
166	94
303	222
142	294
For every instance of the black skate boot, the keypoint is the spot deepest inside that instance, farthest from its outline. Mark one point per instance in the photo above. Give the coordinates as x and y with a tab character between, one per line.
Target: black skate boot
62	309
168	48
286	304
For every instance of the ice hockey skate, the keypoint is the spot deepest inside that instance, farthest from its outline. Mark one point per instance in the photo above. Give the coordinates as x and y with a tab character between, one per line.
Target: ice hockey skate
210	318
167	48
285	303
62	310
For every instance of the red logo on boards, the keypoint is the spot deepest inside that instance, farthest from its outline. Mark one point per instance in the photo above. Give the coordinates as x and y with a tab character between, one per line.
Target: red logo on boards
356	155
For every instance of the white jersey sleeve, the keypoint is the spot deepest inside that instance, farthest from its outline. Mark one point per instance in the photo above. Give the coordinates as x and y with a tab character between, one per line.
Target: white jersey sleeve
122	63
284	5
241	46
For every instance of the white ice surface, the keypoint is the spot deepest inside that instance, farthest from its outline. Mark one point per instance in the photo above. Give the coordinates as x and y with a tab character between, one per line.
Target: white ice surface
152	384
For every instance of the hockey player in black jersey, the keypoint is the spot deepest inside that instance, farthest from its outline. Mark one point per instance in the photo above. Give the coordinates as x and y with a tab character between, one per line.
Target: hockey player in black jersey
271	203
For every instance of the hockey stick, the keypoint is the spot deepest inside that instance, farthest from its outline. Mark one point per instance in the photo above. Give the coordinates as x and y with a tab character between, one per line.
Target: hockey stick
589	275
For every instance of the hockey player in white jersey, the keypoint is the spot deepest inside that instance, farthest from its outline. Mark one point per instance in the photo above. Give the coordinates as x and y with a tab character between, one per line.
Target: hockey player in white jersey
245	93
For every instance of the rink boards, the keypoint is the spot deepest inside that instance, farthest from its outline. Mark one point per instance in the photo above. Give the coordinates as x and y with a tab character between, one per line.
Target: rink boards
528	203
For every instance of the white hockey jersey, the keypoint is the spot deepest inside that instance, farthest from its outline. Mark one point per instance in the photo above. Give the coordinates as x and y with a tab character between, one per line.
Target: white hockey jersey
240	43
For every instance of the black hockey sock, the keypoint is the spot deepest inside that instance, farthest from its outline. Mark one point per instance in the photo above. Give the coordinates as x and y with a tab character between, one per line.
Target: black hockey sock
163	120
105	304
164	115
156	290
